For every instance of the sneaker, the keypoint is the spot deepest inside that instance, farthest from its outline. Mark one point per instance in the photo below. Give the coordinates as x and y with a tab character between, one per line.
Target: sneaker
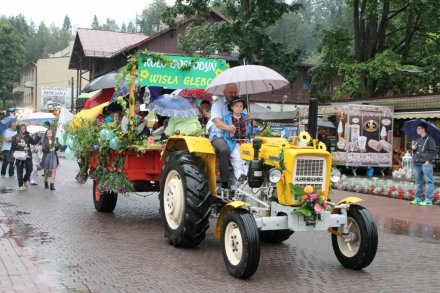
416	201
33	183
26	184
425	203
21	188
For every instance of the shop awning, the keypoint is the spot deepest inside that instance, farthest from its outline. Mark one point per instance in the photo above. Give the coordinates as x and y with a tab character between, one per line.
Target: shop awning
417	115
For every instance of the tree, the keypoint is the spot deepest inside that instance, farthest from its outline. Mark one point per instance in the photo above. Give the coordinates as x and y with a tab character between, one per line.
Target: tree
246	28
131	28
389	40
95	23
303	29
124	27
151	16
110	25
67	25
12	56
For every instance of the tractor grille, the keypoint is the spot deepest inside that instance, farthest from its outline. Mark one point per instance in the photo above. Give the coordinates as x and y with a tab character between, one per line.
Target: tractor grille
310	171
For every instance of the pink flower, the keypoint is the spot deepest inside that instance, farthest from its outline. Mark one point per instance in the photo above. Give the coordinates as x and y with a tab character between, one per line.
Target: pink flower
324	204
318	208
313	196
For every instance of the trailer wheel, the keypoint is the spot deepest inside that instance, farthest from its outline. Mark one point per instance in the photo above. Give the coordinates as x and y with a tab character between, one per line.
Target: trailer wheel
105	202
359	251
275	236
240	243
185	201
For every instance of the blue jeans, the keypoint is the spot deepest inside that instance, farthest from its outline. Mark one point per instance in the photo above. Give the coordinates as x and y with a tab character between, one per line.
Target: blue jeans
6	163
424	171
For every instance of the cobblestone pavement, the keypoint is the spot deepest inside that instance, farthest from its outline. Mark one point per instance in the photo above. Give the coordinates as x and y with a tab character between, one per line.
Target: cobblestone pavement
57	242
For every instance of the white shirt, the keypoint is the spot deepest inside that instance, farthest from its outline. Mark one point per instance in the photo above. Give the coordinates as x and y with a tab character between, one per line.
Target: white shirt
8	133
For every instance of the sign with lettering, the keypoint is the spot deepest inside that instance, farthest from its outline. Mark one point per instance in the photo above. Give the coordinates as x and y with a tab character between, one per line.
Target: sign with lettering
55	97
200	75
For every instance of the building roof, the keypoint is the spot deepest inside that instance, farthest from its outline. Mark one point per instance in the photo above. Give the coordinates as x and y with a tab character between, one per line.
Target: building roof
105	44
212	12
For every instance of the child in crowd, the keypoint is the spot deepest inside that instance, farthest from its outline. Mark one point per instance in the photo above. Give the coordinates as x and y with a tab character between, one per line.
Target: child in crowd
117	117
36	151
238	119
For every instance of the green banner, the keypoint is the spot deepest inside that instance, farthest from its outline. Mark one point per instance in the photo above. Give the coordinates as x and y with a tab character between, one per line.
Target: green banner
202	72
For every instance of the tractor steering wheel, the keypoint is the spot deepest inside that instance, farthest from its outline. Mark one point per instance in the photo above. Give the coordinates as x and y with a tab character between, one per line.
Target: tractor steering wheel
260	123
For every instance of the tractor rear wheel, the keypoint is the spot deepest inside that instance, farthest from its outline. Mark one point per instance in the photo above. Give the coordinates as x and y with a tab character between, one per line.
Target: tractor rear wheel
105	202
275	236
359	250
240	243
185	200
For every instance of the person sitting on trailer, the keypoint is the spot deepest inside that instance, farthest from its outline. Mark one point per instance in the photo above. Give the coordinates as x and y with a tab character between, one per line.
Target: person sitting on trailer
139	122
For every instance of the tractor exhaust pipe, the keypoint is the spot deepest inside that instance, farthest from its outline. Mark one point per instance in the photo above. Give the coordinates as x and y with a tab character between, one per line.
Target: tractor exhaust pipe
313	113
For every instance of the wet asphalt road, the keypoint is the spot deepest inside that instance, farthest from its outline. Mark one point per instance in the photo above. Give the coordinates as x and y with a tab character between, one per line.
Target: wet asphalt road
73	248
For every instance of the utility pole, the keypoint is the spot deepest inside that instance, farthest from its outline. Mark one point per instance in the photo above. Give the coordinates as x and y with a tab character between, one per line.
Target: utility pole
71	98
313	112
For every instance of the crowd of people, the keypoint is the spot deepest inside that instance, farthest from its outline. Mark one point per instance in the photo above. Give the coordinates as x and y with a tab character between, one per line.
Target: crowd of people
27	154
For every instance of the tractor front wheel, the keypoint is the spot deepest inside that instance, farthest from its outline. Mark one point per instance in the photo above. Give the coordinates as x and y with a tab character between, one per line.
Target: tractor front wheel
105	202
185	201
240	243
357	250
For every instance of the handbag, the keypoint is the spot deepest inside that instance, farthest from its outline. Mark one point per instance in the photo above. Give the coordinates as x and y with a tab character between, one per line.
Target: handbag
20	155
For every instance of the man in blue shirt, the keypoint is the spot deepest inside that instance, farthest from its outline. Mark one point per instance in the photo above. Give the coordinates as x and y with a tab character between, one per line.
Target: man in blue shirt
218	111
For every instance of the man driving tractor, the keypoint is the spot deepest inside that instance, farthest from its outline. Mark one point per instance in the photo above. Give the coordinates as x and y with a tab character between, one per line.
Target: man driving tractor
218	111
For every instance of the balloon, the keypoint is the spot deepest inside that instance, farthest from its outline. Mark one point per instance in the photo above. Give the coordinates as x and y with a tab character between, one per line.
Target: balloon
106	134
69	142
114	144
69	154
110	135
96	147
103	133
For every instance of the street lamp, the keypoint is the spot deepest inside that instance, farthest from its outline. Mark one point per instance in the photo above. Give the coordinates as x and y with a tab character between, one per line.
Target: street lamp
407	164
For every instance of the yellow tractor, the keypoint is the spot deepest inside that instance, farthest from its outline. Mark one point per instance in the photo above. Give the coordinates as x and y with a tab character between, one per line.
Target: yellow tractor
264	207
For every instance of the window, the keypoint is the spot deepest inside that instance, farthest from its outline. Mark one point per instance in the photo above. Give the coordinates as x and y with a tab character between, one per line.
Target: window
306	83
329	88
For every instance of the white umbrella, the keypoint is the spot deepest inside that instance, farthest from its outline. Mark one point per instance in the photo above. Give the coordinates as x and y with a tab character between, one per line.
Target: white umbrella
32	129
250	79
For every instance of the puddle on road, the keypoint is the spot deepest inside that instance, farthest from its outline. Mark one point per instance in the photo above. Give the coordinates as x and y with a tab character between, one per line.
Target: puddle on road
4	189
28	239
409	228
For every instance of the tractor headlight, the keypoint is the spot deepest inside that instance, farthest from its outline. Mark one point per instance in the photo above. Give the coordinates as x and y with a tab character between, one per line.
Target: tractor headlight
335	176
274	175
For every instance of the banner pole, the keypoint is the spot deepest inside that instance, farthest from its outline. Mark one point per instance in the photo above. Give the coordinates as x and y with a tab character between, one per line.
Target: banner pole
131	98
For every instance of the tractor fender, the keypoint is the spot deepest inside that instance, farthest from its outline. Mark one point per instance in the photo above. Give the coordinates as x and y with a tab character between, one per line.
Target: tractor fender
236	204
350	200
191	144
200	147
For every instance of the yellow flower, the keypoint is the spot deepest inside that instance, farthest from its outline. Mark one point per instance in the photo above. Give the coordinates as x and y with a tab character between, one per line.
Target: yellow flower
305	137
322	146
144	73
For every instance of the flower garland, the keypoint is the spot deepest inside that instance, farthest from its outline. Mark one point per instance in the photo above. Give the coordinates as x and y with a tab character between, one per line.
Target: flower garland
386	188
313	203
